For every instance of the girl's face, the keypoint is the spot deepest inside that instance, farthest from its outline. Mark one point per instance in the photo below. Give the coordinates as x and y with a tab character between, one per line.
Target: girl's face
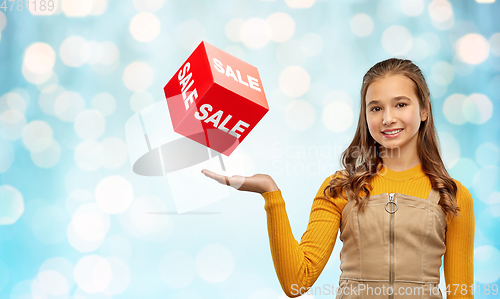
392	105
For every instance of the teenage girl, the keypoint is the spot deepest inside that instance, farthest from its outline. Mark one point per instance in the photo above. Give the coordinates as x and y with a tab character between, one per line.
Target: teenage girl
397	208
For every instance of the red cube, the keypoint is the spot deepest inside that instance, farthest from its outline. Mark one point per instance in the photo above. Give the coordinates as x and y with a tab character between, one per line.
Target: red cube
215	99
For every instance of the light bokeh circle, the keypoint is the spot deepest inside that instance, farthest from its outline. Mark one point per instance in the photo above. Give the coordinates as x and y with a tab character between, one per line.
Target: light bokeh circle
145	27
8	155
37	136
282	26
13	100
233	28
89	124
68	105
337	116
120	276
442	73
12	204
48	96
12	124
472	48
93	273
494	42
76	198
115	152
53	282
362	25
138	76
89	155
148	5
75	51
114	194
300	3
397	40
62	266
412	8
453	109
294	81
48	157
88	227
39	58
485	181
450	148
255	33
440	11
98	7
110	53
477	108
96	52
3	21
76	8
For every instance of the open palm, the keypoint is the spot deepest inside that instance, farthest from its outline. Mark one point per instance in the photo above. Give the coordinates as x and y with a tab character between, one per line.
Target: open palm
258	183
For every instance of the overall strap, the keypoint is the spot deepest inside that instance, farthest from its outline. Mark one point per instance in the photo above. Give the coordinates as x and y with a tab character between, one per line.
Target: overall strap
434	196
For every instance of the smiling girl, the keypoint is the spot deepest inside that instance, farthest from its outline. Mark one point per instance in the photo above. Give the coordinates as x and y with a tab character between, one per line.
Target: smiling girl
397	208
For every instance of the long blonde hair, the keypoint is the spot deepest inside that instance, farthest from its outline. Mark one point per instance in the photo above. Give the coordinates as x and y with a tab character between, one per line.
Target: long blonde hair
361	160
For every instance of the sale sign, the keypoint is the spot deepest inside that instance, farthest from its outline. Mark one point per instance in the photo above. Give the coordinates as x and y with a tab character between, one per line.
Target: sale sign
215	99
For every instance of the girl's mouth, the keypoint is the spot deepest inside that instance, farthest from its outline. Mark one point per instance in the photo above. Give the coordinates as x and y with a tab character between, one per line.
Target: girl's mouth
392	134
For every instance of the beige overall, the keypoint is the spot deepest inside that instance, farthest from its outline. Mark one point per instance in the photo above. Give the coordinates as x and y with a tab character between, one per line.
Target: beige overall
393	249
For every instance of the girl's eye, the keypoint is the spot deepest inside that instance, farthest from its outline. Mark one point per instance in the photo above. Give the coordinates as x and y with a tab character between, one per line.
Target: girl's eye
375	109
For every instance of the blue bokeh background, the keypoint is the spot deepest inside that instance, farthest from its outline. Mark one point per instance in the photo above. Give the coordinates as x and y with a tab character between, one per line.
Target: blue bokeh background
70	78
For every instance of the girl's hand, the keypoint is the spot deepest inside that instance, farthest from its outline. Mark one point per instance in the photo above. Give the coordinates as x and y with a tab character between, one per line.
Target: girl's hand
259	183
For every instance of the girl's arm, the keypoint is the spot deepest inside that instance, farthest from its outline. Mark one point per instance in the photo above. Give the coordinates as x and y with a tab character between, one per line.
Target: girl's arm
459	256
298	266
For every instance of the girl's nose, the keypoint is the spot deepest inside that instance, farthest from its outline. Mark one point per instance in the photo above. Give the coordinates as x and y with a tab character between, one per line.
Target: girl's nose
388	118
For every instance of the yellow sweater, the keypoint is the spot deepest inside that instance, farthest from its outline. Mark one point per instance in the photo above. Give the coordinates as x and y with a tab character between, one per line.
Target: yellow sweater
302	263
